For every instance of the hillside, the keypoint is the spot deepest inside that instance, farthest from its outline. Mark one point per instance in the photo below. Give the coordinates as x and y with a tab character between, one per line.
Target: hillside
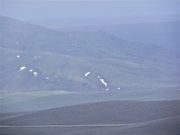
150	117
37	58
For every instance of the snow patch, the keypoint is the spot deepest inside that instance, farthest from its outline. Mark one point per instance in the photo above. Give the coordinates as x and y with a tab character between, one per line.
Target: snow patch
35	73
22	68
103	82
17	56
87	74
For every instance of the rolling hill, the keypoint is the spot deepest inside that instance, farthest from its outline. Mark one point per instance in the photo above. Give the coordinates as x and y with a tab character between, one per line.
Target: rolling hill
37	58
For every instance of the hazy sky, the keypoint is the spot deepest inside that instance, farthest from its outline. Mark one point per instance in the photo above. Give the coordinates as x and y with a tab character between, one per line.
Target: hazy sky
33	9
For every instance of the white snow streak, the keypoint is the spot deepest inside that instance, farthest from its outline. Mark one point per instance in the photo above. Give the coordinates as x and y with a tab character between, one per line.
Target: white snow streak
103	82
87	74
22	68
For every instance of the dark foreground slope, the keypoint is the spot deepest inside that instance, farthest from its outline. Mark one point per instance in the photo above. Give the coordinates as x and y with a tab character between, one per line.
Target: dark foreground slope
137	118
160	127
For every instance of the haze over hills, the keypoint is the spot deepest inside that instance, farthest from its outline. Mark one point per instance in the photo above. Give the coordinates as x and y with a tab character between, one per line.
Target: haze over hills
38	58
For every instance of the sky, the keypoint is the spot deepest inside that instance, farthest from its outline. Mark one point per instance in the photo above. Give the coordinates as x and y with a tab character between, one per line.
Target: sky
44	9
